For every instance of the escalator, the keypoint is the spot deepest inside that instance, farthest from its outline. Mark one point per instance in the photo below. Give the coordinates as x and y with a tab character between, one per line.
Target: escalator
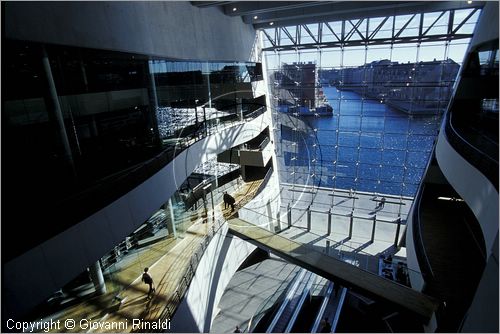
307	300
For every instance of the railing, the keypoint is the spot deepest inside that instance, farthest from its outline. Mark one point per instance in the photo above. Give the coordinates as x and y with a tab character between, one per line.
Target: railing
270	301
479	159
260	146
107	189
174	300
324	303
418	240
339	310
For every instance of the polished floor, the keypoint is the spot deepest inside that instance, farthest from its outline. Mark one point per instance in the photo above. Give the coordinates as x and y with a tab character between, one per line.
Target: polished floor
167	273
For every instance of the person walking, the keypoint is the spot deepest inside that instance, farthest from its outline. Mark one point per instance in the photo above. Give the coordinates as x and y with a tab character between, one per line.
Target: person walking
226	199
146	278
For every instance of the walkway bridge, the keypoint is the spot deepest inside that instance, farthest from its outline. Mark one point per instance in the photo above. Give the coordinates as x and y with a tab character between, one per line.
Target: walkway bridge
347	275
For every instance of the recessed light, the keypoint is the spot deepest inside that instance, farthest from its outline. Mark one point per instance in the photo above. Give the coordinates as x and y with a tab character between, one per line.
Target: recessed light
469	2
271	23
255	17
234	9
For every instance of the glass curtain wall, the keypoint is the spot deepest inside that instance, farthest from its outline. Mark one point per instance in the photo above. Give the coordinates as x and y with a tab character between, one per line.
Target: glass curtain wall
386	103
81	127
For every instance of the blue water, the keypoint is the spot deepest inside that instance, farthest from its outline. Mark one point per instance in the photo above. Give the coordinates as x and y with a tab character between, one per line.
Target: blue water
366	146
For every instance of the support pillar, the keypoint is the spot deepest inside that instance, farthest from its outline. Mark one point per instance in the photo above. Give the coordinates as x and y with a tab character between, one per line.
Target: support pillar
170	218
398	228
327	250
153	98
289	215
239	108
373	228
329	221
351	222
309	218
56	111
97	278
278	220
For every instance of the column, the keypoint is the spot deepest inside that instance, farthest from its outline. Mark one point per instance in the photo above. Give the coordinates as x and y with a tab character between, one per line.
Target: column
239	108
56	111
398	228
327	250
278	220
309	218
373	228
289	215
350	224
153	101
329	221
97	278
170	218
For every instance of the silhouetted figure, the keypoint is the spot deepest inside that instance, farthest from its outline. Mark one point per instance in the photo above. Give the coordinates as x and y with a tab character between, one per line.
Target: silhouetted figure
229	200
237	329
146	278
382	202
327	327
226	199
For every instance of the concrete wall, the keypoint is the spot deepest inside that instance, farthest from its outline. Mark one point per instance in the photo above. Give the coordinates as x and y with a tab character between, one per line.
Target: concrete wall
416	279
63	257
171	29
257	158
264	209
220	261
216	268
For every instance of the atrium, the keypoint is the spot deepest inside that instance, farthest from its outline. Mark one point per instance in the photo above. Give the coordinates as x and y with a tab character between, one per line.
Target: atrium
250	166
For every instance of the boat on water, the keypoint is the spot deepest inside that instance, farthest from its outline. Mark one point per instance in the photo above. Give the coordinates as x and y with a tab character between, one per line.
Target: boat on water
320	111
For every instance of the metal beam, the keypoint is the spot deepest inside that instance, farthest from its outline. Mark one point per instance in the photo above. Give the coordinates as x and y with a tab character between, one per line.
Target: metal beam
379	41
346	40
352	11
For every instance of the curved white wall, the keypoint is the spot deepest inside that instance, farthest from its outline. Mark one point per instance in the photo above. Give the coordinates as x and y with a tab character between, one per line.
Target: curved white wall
218	264
216	268
414	272
474	188
61	258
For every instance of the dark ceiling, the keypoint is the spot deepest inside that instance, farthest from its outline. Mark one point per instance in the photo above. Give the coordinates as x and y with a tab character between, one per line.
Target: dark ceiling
266	14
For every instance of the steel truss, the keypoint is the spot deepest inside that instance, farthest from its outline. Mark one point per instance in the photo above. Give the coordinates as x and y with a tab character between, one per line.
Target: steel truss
363	32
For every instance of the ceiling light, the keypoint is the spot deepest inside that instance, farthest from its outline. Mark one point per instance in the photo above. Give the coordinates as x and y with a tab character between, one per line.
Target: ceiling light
271	23
255	17
469	2
234	9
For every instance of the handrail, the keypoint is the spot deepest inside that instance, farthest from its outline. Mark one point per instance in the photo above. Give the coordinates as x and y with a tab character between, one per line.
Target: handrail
322	308
260	146
418	239
289	295
305	293
479	159
339	310
103	191
254	320
174	300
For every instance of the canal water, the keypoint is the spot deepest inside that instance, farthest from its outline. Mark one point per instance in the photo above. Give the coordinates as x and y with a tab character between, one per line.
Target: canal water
365	146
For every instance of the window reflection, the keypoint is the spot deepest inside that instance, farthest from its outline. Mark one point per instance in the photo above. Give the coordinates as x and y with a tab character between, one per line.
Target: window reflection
103	115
